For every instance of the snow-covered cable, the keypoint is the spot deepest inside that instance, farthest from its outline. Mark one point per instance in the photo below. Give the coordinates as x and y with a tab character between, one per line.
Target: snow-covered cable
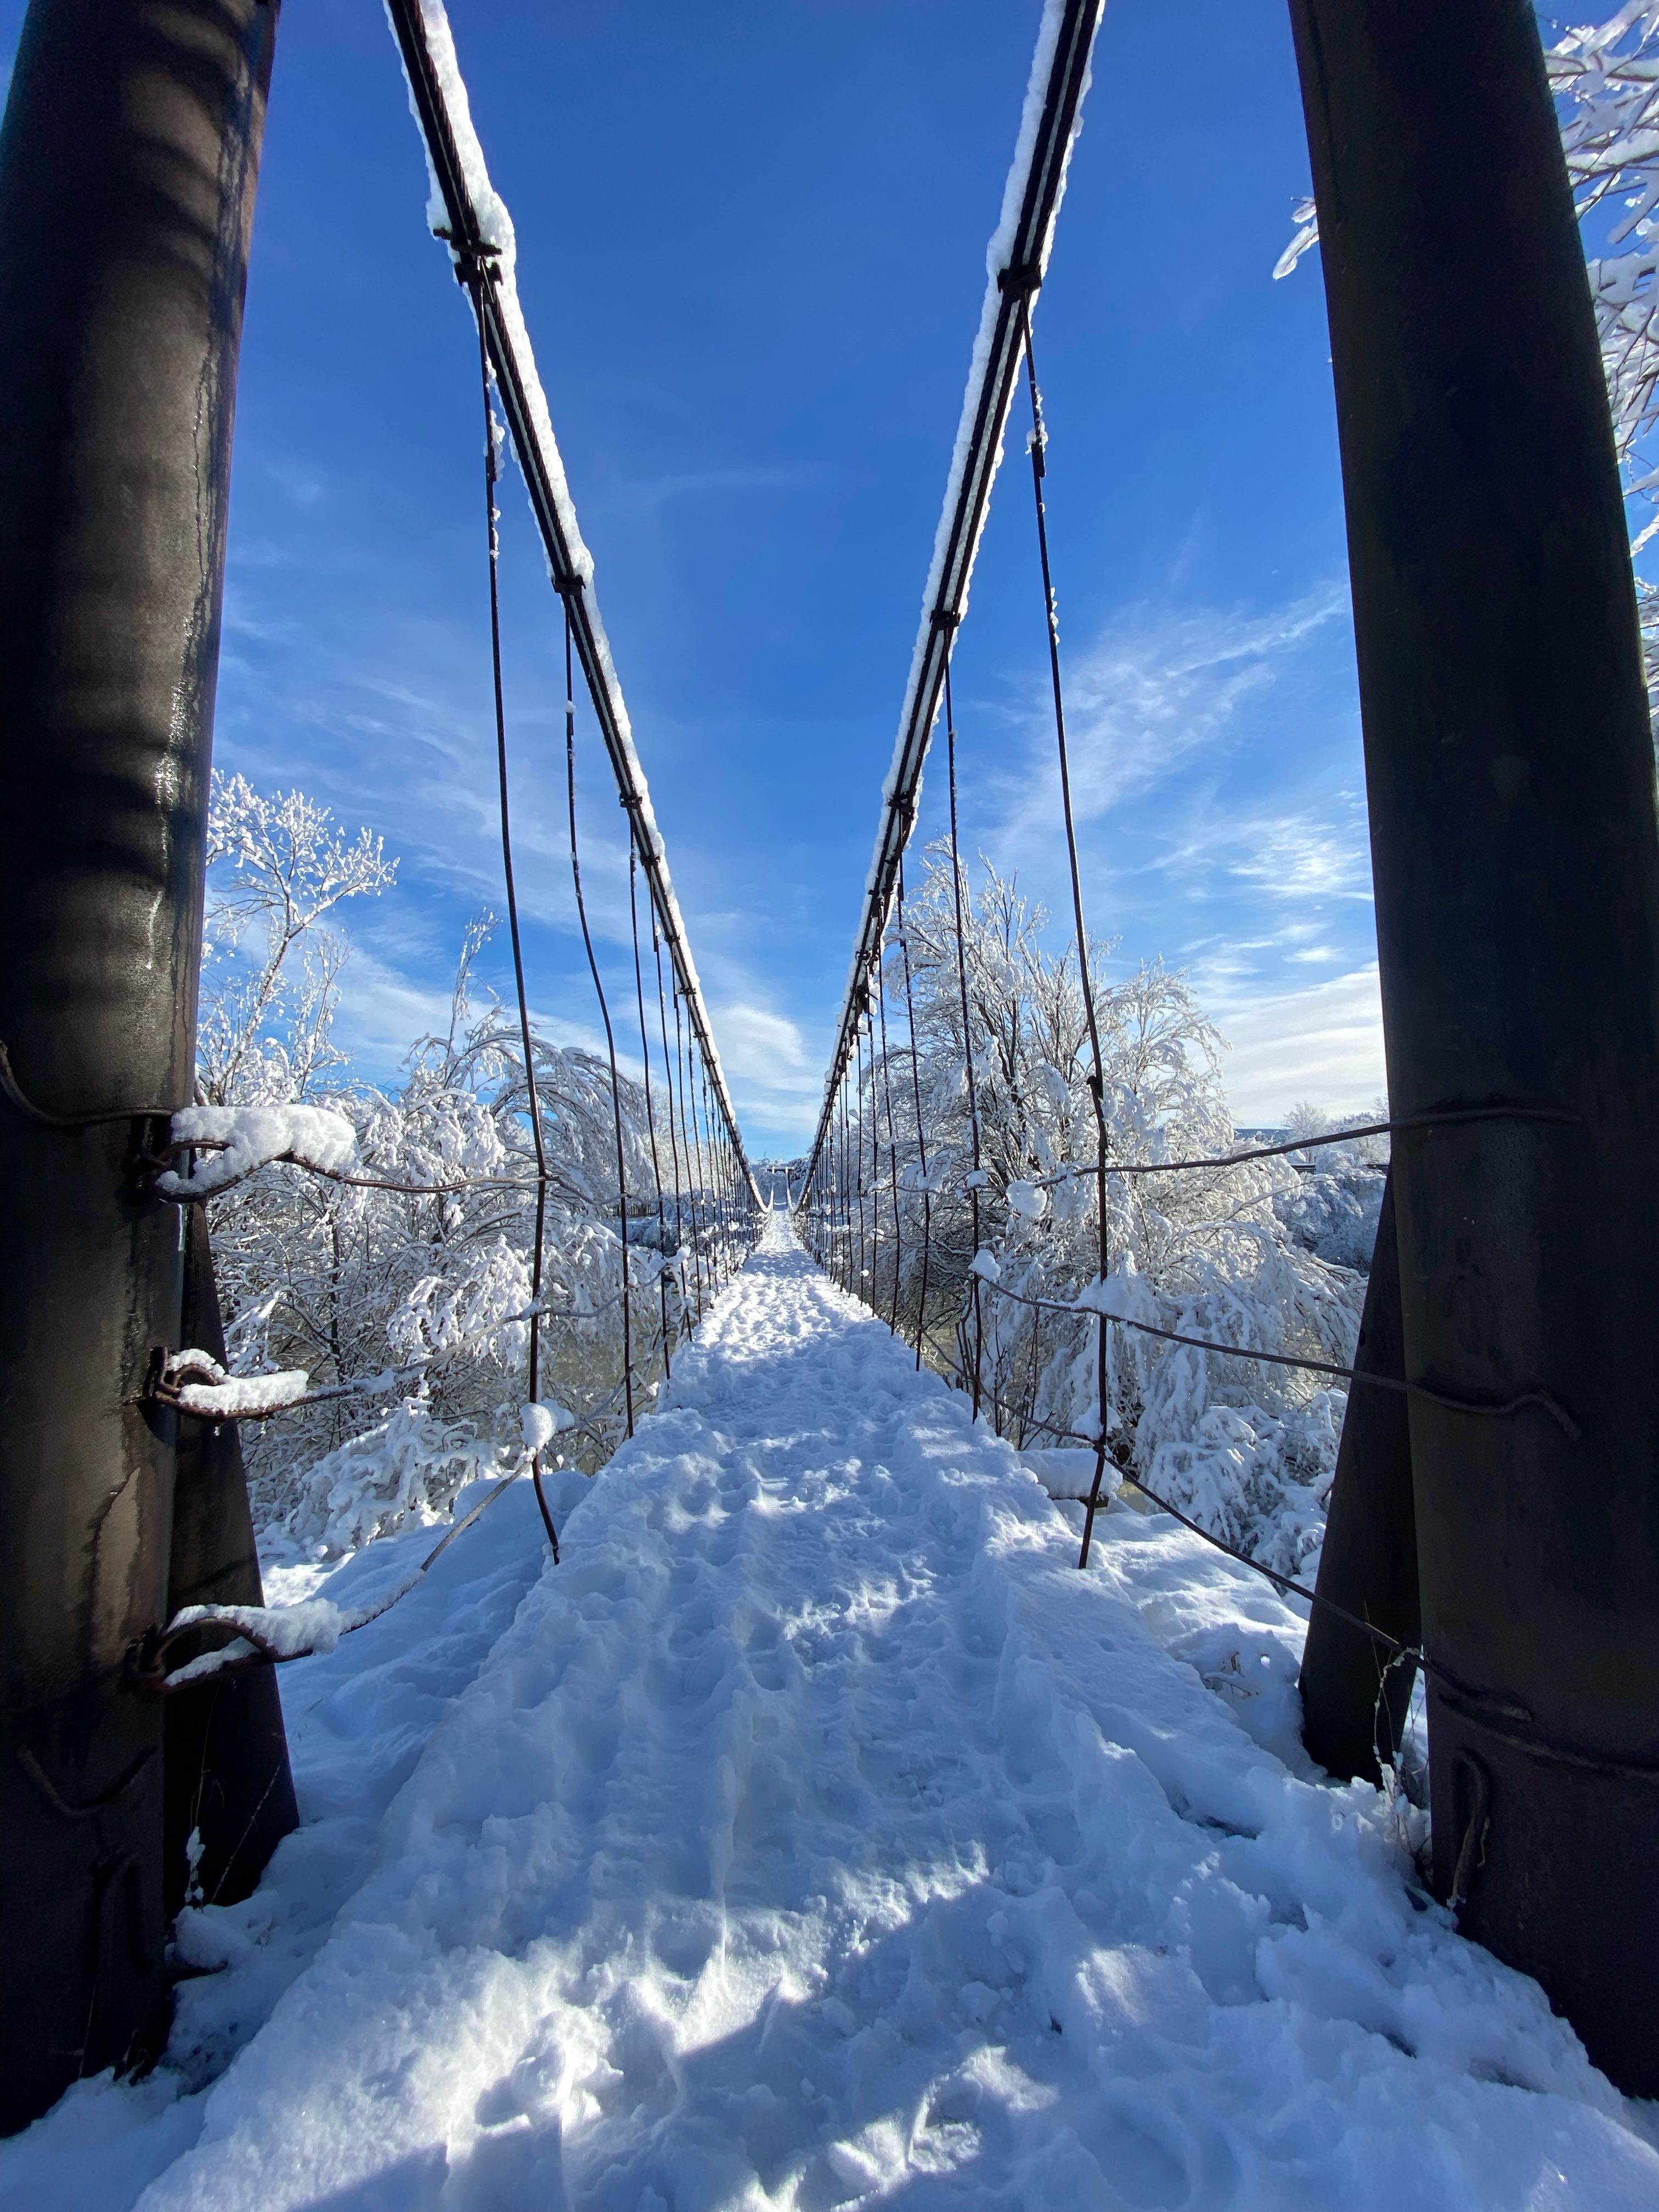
467	212
1015	261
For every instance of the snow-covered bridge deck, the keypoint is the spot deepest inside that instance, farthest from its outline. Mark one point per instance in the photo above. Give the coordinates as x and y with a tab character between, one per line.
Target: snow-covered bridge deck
816	1835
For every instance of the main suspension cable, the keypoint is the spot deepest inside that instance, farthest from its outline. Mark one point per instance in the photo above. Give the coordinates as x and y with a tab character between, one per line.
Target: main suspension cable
1031	198
459	174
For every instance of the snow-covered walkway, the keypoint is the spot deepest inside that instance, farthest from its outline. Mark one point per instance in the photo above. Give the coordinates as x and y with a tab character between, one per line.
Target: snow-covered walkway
816	1835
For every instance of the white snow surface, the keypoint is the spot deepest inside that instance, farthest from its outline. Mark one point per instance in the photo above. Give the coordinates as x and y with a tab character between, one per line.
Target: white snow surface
250	1137
210	1391
817	1835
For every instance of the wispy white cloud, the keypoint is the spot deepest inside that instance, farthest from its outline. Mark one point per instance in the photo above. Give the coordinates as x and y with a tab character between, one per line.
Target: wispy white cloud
1323	1043
1156	690
1297	856
765	1059
647	495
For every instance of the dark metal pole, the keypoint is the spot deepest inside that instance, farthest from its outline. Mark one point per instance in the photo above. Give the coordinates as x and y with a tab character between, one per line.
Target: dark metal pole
128	160
1515	853
1354	1701
225	1749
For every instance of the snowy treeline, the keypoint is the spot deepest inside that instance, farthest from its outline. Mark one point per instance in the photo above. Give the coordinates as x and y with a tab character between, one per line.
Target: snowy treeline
421	1301
1268	1254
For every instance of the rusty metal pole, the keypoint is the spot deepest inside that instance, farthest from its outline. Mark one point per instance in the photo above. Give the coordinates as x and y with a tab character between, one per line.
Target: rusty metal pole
1515	847
128	160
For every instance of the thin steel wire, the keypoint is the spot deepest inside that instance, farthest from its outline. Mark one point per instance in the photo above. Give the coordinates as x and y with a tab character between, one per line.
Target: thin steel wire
691	1165
967	1025
875	1166
650	1108
1098	1074
921	1135
846	1180
892	1147
673	1139
604	1011
479	278
705	1178
858	1149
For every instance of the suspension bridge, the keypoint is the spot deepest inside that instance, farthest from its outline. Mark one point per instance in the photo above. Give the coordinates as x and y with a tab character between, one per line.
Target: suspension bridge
779	1815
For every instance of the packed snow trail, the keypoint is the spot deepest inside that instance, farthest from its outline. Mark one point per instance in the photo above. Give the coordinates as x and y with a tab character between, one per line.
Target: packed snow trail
816	1835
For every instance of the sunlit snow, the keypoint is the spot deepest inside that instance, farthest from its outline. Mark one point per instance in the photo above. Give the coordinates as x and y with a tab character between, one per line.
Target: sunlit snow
816	1835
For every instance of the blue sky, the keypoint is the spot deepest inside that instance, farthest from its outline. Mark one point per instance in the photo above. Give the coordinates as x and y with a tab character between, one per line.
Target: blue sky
751	255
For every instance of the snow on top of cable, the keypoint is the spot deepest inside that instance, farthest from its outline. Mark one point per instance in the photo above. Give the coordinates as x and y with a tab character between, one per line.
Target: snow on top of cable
197	1384
997	259
495	224
244	1138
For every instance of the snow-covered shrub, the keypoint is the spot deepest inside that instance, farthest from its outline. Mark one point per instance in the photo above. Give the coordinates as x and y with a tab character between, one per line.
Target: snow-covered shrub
1333	1214
404	1469
1332	1207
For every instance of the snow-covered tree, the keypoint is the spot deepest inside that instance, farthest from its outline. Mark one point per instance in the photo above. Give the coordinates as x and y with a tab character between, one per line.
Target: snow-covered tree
1605	76
276	869
1224	1254
403	1293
